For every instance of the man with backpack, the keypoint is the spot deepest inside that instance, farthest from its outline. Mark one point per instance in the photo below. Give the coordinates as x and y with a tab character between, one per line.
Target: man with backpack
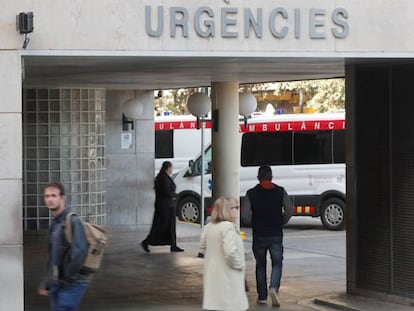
269	207
67	280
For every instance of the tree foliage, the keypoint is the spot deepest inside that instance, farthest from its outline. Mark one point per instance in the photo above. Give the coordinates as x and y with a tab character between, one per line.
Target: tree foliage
322	95
174	101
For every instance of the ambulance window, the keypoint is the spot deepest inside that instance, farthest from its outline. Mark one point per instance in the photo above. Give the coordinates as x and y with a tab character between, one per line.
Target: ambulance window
339	146
207	163
164	143
313	147
266	148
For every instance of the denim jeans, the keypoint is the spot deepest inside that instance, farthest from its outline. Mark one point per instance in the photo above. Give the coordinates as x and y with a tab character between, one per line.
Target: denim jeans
67	297
260	247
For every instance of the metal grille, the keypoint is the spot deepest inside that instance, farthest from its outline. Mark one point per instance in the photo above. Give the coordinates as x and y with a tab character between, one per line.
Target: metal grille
373	205
403	218
385	171
64	140
403	180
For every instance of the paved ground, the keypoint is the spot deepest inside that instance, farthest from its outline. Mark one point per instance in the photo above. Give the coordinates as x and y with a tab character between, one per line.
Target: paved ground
133	280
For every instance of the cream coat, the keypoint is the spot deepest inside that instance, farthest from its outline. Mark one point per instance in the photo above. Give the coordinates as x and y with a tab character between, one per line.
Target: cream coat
224	268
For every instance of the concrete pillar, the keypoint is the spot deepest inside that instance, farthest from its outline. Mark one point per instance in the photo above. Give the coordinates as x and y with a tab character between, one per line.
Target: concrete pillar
226	139
130	172
11	157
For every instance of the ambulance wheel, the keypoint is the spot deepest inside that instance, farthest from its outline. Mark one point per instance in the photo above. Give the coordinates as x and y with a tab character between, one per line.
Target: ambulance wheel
333	214
189	209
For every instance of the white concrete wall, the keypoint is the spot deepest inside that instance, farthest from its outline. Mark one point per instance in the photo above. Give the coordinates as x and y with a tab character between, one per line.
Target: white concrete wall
11	237
130	172
375	26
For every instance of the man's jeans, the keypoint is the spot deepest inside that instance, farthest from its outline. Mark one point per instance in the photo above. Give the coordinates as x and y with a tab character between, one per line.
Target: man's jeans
67	297
260	247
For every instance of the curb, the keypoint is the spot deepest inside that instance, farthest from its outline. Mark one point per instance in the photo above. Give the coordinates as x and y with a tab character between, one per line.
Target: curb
335	305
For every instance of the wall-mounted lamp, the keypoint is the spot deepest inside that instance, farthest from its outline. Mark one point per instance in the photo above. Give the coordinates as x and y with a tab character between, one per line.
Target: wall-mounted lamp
247	105
24	25
126	122
131	109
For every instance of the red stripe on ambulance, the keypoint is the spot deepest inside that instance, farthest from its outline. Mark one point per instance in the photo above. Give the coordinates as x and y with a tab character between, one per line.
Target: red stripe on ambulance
294	126
274	126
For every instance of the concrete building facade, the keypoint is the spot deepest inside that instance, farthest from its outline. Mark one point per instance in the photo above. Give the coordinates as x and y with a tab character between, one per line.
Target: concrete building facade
125	49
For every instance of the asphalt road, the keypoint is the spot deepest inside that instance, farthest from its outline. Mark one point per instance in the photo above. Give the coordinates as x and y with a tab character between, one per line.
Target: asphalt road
307	235
314	259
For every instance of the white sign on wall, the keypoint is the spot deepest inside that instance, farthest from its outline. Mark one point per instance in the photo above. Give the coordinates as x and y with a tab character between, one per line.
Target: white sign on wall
126	140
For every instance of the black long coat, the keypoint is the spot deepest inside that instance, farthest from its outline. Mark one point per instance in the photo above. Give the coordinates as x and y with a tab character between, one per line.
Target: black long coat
163	225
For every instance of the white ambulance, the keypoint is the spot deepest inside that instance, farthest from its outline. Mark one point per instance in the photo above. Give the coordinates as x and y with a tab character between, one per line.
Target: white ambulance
307	156
177	140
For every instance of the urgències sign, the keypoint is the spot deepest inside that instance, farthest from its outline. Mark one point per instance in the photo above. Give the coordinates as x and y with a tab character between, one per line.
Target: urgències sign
234	22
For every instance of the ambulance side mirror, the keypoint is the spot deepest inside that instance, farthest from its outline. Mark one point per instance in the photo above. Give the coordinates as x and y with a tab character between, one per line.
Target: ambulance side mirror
190	167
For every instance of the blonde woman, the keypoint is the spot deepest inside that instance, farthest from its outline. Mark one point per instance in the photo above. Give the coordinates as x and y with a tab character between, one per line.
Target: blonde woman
224	266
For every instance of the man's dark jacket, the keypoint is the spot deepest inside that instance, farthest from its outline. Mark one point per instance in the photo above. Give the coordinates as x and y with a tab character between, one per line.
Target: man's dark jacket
270	209
66	260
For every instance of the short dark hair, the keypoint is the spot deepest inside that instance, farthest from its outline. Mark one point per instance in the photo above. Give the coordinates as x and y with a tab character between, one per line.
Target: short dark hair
265	173
56	185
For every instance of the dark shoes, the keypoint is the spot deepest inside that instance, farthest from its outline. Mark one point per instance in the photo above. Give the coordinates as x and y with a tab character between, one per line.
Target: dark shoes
200	255
176	249
144	245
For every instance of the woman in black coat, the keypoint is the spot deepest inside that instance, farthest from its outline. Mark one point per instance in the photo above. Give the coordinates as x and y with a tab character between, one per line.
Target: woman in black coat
163	225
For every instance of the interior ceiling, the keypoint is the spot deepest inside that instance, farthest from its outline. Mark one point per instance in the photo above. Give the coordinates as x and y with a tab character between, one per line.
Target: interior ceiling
148	73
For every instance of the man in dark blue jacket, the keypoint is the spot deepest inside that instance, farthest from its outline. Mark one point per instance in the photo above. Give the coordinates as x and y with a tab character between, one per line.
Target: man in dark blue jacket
66	281
269	207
